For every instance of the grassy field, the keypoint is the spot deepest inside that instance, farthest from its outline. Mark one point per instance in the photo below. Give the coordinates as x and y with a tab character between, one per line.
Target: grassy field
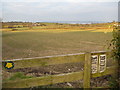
34	43
52	40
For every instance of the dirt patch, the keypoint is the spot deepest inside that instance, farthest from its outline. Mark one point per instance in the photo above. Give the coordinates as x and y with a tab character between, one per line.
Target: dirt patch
50	70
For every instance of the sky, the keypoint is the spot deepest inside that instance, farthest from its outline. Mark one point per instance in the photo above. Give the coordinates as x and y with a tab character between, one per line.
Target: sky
59	10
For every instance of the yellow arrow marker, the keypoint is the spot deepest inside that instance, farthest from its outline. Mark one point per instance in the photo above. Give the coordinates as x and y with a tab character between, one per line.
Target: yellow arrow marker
9	65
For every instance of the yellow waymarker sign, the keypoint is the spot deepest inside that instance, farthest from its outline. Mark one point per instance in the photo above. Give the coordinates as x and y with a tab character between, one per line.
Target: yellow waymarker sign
9	65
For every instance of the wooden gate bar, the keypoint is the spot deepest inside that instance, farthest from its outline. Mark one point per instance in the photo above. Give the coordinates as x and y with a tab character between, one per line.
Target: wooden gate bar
87	70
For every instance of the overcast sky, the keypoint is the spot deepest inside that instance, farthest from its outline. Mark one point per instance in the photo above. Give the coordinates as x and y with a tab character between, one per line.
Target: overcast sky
60	10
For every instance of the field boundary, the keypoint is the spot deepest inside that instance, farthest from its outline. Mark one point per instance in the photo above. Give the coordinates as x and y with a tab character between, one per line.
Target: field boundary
85	75
54	56
53	79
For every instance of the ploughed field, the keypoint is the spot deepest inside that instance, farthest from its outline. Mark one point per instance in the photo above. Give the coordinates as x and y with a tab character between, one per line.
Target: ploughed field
47	42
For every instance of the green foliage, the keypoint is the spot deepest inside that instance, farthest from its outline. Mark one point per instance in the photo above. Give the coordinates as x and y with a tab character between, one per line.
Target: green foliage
116	43
114	82
19	75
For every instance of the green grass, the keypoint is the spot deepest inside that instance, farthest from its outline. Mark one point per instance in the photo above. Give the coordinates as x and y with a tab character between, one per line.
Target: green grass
19	75
34	44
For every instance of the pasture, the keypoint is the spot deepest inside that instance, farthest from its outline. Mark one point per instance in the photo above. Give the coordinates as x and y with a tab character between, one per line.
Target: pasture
46	42
52	40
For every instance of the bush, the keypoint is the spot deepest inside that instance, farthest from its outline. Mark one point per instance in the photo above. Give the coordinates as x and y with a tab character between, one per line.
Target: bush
116	55
14	29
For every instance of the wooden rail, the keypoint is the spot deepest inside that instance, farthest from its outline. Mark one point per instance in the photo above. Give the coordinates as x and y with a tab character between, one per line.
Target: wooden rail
86	75
52	79
47	60
51	60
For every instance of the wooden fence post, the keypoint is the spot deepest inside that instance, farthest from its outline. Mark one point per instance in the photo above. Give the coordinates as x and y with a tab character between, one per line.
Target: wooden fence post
87	70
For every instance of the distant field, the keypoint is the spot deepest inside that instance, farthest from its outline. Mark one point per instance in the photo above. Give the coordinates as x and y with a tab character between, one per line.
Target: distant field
34	43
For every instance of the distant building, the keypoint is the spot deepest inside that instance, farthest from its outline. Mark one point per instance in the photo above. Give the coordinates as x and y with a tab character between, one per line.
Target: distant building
116	25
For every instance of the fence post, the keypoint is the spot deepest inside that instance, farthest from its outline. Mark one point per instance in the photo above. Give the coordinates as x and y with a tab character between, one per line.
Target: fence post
87	70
